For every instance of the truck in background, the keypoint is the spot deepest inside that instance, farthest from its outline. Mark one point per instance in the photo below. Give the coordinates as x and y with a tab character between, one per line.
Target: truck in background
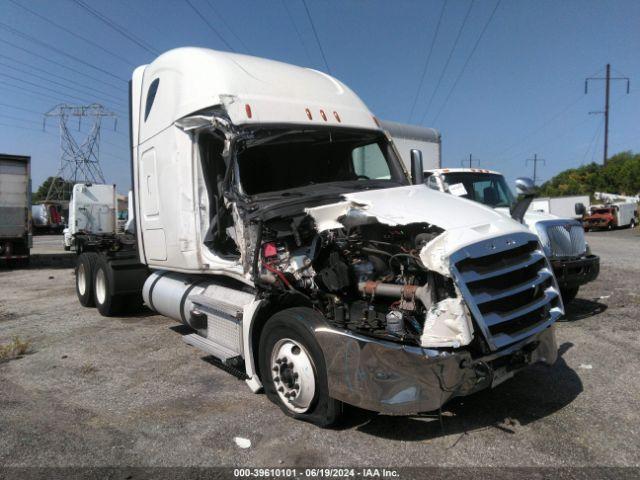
92	210
408	137
15	209
611	216
563	239
49	217
562	207
281	226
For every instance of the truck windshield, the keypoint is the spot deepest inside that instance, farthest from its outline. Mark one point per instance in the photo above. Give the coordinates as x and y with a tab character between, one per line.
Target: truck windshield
488	188
278	160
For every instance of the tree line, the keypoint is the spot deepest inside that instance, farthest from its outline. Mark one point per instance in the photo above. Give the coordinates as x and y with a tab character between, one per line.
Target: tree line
620	175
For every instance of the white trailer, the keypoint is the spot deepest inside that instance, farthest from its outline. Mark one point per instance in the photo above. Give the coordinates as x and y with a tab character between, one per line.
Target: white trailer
563	207
92	210
275	218
15	209
407	137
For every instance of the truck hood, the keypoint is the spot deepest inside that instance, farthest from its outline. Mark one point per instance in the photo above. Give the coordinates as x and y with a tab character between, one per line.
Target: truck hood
531	217
464	221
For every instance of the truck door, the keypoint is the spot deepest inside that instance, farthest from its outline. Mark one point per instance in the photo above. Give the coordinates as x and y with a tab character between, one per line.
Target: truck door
153	233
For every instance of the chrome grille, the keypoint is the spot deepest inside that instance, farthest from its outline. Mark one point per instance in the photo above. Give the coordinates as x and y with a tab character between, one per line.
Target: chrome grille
562	238
509	287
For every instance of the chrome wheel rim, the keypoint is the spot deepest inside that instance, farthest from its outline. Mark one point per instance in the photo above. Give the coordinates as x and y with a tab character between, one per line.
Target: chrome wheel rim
293	375
101	286
82	279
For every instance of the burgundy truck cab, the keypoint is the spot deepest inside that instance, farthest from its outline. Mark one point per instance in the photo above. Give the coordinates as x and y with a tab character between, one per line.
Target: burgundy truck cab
600	218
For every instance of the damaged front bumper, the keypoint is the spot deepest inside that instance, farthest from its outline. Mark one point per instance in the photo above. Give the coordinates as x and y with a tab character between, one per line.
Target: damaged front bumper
398	379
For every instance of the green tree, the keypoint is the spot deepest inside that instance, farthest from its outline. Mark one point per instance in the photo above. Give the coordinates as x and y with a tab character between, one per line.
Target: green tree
41	194
620	175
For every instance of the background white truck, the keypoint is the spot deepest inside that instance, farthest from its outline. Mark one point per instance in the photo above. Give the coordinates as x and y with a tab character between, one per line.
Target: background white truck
562	207
15	209
562	238
276	220
92	210
611	215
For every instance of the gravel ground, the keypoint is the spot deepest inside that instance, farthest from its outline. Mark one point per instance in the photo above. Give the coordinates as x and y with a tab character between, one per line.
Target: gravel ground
97	391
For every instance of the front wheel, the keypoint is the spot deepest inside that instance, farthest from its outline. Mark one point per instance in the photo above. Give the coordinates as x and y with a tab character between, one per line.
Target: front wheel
632	224
293	370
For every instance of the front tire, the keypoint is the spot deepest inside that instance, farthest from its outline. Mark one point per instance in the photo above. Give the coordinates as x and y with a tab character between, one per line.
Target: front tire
293	369
85	266
106	301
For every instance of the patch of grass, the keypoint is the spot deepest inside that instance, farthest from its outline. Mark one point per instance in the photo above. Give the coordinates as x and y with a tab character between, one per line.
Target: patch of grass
15	349
88	369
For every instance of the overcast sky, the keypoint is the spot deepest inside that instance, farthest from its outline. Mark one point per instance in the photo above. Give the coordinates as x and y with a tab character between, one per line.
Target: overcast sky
520	93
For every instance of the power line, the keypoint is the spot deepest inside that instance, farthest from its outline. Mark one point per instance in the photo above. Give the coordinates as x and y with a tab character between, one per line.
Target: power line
455	83
118	28
453	48
58	51
72	33
39	130
542	125
74	84
10	117
226	24
211	27
295	27
591	144
315	34
426	63
57	64
19	108
58	92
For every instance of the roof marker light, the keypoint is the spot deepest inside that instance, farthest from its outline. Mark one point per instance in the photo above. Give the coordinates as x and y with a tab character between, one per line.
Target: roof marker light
247	108
335	114
323	115
309	116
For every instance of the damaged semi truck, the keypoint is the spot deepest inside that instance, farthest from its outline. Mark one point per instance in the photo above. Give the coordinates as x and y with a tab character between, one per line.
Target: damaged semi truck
275	218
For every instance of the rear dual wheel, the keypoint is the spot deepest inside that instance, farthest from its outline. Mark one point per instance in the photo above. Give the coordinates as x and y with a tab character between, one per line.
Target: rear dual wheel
95	284
85	266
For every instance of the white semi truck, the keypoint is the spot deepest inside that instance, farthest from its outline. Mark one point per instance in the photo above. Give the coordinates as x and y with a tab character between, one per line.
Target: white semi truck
275	218
92	210
563	239
15	209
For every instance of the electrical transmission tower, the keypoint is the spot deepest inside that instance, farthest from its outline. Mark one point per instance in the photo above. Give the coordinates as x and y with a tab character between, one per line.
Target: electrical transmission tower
607	79
535	161
79	154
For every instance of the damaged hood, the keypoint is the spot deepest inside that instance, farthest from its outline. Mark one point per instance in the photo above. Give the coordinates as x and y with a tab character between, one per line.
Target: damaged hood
464	221
411	204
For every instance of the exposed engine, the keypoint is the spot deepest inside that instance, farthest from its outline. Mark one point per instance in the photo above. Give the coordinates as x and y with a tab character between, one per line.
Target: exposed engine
367	278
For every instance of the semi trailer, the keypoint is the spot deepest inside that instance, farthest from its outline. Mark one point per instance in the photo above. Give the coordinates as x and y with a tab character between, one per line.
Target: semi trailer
92	211
275	218
15	209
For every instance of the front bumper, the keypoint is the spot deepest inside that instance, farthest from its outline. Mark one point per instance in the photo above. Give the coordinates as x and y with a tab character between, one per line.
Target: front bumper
573	273
398	379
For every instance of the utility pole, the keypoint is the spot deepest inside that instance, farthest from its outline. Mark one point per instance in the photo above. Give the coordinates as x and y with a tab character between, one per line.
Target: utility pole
535	161
607	78
470	160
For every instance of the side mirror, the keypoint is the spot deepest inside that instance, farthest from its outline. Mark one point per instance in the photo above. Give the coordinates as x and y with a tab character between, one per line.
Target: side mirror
527	189
525	186
580	209
417	174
